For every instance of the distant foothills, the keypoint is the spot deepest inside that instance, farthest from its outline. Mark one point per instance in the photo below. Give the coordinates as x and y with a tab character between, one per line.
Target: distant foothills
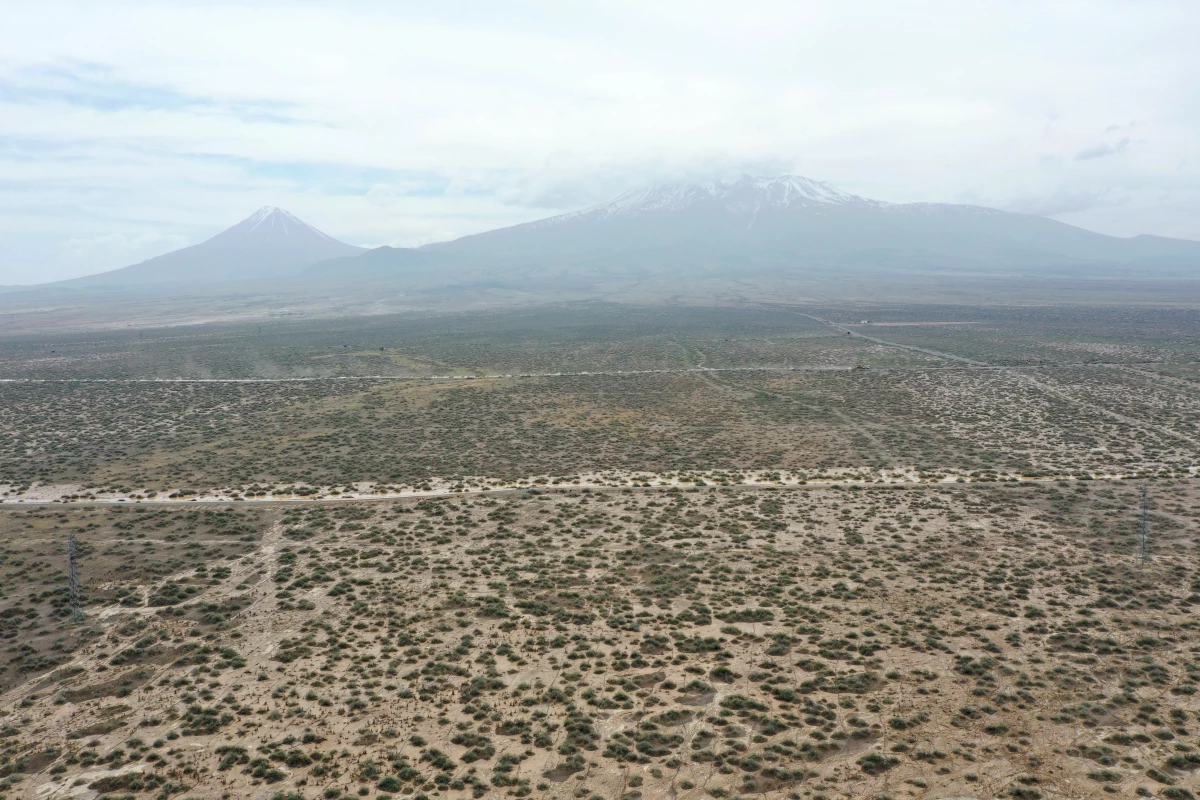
783	227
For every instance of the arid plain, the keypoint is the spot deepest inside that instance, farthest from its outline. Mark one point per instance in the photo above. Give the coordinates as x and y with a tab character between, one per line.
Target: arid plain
606	552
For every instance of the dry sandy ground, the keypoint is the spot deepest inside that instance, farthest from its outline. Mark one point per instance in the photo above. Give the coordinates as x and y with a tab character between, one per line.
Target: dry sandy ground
906	640
436	487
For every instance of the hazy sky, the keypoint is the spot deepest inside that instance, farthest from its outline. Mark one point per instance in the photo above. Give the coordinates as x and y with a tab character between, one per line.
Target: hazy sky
129	129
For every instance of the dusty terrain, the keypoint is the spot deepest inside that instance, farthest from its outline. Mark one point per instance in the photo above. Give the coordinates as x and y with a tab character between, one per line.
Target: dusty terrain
603	551
569	392
900	641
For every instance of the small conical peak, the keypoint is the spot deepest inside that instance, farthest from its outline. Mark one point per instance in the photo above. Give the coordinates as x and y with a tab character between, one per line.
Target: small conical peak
271	223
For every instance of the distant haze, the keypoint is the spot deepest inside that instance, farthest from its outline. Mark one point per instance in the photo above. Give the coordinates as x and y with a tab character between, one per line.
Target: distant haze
132	129
753	231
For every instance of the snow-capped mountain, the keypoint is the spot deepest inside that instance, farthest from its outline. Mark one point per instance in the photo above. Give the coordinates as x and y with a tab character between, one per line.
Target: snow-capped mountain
747	195
269	243
765	228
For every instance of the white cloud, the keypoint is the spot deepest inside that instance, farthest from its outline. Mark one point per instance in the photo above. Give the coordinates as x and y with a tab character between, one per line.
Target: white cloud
113	250
1063	200
1104	149
382	195
396	122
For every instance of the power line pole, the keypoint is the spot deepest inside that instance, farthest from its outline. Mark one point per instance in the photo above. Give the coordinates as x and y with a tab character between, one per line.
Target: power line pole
1145	557
73	577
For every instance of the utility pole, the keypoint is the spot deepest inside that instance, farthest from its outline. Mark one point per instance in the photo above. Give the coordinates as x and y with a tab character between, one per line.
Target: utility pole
1145	557
73	577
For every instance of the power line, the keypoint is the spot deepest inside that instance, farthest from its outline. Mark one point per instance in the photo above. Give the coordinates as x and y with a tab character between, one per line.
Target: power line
73	576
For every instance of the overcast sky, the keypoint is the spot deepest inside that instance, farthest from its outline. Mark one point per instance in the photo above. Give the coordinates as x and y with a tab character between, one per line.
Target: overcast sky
130	129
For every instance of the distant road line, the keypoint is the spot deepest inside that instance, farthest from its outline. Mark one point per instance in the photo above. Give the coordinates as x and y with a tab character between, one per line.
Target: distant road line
966	364
914	348
1019	372
489	376
445	493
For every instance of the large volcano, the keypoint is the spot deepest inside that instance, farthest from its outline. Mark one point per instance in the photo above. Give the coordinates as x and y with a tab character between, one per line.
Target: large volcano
784	227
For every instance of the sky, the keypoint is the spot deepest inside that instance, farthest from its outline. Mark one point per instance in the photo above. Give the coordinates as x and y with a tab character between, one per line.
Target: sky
129	129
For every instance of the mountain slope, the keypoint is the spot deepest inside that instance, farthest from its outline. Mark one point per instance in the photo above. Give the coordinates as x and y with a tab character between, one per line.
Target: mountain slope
268	244
785	227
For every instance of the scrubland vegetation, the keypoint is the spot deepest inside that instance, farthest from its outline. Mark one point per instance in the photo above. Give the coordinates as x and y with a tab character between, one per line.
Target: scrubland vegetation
708	642
988	638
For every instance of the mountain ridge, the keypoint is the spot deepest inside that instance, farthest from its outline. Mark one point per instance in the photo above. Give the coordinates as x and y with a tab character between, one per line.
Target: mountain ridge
750	229
787	226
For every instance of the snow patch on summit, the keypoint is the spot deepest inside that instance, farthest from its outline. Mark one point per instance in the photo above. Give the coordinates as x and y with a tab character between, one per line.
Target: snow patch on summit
746	196
272	222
